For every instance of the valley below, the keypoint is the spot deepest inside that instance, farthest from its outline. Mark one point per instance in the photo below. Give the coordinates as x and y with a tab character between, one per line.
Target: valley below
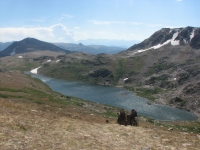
165	77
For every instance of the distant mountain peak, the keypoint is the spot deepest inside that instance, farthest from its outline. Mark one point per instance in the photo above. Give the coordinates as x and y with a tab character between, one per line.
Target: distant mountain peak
29	45
174	36
80	44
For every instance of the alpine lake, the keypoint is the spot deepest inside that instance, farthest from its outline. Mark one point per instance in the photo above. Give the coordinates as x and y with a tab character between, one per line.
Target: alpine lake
118	97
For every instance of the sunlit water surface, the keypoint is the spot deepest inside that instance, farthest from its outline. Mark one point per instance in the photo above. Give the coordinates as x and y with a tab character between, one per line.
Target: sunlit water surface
116	97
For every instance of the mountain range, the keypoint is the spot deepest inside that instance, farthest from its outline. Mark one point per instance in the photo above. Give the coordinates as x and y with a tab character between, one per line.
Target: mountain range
92	49
110	43
30	43
164	68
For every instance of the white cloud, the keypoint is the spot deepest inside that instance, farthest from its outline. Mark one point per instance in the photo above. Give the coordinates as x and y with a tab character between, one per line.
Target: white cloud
54	33
179	0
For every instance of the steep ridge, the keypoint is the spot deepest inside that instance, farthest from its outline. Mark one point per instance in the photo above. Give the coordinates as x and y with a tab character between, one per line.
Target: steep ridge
177	36
29	45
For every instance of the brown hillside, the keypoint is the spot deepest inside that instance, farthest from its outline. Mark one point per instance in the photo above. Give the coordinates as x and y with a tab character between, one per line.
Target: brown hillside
35	117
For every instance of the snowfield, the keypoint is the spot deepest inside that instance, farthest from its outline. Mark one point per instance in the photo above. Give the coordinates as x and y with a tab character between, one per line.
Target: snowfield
34	71
192	35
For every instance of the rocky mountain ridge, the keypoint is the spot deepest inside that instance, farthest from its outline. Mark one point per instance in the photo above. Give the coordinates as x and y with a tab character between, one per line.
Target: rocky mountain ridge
170	62
176	36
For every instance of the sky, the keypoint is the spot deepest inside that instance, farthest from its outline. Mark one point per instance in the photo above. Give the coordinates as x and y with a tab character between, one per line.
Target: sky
69	21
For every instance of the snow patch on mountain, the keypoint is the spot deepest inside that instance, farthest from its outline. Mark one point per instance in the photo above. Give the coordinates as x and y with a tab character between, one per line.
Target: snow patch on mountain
34	71
154	47
142	50
160	45
20	56
192	35
173	41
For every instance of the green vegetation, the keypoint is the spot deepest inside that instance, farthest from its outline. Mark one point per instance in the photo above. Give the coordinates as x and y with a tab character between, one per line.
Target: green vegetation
184	126
51	99
29	93
180	101
110	114
157	67
11	90
147	93
4	95
137	63
119	72
71	72
162	80
102	72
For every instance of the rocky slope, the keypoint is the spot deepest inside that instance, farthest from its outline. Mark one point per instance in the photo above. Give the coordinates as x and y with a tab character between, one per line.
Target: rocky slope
171	62
177	36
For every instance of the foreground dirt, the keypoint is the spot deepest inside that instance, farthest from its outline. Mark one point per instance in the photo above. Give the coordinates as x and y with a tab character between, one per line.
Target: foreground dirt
29	126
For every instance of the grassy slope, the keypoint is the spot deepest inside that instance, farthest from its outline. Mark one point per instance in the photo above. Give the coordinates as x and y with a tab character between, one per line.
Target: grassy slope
35	117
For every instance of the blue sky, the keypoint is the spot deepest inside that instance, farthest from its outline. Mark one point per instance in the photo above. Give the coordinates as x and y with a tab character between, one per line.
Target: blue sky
73	20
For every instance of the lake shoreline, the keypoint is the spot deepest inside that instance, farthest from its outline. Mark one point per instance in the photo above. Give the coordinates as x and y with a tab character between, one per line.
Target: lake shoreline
122	99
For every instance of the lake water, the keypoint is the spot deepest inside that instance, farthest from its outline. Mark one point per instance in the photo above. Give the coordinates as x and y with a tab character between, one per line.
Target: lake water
116	97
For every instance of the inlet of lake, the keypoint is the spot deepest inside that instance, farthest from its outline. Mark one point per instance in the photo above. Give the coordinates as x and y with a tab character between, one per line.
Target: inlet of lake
115	96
